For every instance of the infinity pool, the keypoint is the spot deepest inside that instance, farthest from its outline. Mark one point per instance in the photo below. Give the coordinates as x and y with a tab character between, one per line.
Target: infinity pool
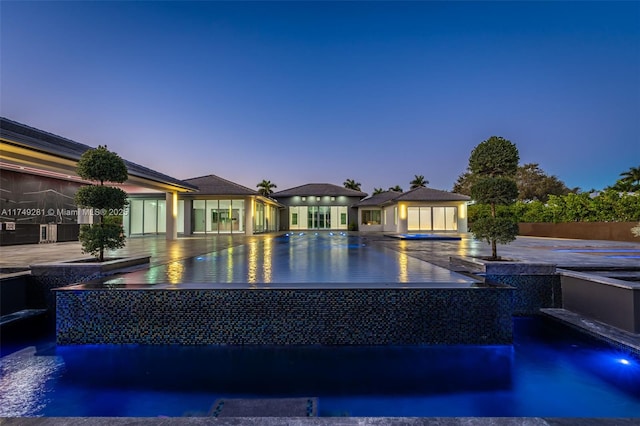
301	258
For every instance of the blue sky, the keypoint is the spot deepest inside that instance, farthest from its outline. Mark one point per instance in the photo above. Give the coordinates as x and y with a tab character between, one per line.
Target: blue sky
300	92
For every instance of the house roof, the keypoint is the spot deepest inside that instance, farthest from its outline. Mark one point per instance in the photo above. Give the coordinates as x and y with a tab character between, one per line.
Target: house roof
378	199
215	185
319	189
417	194
430	194
24	136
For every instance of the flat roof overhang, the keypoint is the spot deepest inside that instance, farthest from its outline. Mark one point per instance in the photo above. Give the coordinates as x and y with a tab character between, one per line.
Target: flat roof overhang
20	158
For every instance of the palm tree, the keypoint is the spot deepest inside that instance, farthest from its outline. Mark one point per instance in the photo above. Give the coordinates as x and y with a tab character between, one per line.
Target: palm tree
632	177
266	187
396	188
352	184
418	182
377	191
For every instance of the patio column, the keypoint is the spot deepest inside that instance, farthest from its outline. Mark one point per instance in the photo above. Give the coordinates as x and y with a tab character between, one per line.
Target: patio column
403	220
171	215
249	208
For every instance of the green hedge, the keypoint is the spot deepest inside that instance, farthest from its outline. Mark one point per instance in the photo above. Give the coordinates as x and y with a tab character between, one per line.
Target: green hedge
607	206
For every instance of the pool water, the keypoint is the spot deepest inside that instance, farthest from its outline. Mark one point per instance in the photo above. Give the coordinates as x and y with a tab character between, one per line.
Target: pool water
321	257
550	370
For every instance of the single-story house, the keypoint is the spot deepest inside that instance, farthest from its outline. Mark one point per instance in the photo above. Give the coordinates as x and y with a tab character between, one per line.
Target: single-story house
39	182
417	210
318	206
218	207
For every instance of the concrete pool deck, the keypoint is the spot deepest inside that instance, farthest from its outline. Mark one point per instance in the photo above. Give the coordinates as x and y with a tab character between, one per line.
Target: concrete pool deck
532	249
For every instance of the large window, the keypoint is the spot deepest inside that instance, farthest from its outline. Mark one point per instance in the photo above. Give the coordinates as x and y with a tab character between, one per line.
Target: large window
218	216
147	216
135	216
317	217
371	217
432	218
265	218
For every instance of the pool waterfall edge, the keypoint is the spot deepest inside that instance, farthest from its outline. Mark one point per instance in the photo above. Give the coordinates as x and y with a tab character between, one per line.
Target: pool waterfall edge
359	315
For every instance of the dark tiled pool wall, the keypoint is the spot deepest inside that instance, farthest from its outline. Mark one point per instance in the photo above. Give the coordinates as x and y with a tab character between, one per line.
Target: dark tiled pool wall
41	286
533	292
286	316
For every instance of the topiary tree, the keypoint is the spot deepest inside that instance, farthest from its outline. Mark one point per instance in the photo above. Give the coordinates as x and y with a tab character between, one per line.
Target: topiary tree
106	202
493	164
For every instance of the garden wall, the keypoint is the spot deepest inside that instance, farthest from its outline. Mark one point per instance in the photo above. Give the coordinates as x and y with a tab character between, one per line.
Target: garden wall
612	231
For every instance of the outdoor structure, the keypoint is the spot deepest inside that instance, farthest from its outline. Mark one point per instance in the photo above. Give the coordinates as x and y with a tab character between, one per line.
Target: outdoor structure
39	181
219	207
318	206
417	210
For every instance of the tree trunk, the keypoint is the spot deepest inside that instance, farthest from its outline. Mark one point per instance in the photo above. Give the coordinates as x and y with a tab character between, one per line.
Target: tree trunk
494	246
101	239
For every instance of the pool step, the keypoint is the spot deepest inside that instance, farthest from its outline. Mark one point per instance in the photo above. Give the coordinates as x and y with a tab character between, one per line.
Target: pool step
269	407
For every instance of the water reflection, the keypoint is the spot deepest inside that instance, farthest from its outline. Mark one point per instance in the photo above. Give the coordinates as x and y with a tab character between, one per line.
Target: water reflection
267	260
175	271
252	262
297	258
403	268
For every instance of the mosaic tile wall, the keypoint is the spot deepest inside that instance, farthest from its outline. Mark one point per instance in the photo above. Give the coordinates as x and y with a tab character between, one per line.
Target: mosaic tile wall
40	286
533	292
286	316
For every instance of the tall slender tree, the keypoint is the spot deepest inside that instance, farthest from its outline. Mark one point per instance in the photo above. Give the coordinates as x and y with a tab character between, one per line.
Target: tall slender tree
418	182
352	184
377	191
265	187
396	188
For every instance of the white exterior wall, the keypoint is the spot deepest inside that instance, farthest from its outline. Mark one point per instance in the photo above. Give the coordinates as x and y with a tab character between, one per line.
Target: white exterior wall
388	219
403	212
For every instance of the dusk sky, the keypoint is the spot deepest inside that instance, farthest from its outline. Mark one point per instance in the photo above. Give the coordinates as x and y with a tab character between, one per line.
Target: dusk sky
302	92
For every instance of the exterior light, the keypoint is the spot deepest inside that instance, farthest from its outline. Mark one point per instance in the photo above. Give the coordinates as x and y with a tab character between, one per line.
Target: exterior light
403	211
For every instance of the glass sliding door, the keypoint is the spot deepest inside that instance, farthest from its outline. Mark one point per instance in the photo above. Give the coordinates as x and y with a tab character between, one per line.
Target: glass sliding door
199	216
319	217
150	216
451	218
312	217
237	216
224	217
413	218
162	217
425	219
324	217
135	216
213	218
